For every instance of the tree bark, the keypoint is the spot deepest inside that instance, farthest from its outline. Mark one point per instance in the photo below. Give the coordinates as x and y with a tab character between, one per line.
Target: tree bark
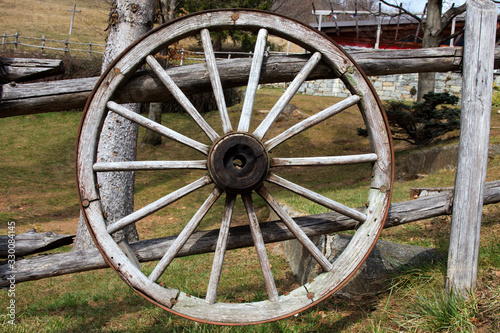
129	20
431	38
434	26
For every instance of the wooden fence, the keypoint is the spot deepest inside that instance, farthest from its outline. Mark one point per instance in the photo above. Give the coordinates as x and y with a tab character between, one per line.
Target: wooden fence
50	44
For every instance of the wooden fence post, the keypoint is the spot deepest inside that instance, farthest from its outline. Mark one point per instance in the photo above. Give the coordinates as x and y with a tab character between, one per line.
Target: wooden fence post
43	42
16	40
3	41
477	83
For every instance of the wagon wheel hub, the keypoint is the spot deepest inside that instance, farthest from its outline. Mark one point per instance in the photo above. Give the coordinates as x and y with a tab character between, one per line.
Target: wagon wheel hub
238	163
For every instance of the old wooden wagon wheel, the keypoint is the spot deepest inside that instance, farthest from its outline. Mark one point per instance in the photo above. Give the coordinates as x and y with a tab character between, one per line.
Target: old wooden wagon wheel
238	161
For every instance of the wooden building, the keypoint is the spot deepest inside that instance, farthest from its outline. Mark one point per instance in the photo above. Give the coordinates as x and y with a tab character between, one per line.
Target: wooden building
402	32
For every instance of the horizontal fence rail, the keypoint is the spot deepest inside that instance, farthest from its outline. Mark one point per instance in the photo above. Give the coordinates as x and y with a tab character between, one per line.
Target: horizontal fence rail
50	44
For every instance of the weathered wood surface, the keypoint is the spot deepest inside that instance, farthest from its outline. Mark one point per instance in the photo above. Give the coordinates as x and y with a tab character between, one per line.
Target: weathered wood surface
181	97
479	50
220	249
215	80
253	81
184	236
24	69
260	248
33	242
287	96
62	95
204	241
312	121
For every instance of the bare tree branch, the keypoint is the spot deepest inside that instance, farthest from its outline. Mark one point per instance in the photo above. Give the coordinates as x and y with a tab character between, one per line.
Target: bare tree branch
402	9
456	34
450	14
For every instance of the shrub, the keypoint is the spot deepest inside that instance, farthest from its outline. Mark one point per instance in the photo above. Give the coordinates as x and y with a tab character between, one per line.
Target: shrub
421	123
496	96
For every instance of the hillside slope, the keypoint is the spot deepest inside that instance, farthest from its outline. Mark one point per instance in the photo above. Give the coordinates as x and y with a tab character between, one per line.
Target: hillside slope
34	18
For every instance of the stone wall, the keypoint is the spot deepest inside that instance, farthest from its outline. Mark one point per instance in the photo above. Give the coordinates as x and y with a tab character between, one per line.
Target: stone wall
400	87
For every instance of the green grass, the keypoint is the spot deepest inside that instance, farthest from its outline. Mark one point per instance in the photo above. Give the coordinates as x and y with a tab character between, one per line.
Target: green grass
32	18
37	190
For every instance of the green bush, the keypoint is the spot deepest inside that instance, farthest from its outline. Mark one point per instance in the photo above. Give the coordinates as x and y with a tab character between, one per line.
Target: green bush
496	97
421	123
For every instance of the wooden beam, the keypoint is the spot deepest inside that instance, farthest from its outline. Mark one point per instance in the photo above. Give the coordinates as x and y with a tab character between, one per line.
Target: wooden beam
24	69
20	99
33	242
480	27
45	266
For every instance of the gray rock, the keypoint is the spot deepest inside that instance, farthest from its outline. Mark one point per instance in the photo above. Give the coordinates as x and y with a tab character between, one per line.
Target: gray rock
288	110
386	259
433	160
301	262
430	161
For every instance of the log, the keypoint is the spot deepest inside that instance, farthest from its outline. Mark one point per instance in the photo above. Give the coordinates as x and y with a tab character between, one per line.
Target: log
45	266
25	69
20	99
33	242
463	253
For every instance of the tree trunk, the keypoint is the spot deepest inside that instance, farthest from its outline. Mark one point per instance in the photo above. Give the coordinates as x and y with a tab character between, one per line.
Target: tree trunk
129	20
432	38
155	109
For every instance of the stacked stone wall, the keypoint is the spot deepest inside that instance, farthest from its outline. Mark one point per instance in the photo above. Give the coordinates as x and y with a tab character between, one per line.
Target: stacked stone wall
399	87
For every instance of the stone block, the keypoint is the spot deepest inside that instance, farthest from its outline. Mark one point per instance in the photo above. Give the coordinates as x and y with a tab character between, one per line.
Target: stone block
433	160
385	260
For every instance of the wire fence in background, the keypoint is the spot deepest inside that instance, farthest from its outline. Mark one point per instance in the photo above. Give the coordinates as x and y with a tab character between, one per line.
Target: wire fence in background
16	41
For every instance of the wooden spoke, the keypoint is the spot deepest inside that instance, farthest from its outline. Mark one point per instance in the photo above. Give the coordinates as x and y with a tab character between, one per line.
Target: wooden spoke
260	248
295	229
324	160
127	250
253	81
220	249
149	165
181	97
317	198
215	80
264	126
313	120
158	128
184	235
158	204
